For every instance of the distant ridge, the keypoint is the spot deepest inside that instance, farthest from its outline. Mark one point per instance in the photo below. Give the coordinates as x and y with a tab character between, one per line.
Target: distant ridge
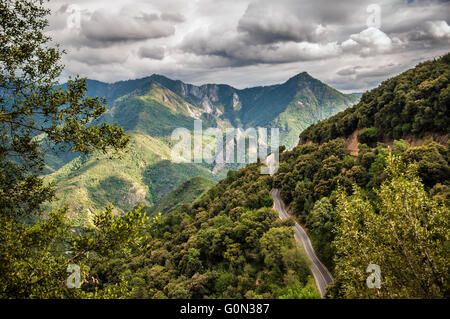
292	106
150	108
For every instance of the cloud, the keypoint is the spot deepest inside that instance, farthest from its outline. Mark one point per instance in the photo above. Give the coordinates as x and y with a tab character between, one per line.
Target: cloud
152	52
367	42
349	70
107	28
238	52
364	76
273	23
432	31
78	26
249	42
360	71
439	29
98	56
173	17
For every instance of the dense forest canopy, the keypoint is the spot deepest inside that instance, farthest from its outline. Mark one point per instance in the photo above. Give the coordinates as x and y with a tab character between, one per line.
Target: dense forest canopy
228	244
415	102
37	114
334	195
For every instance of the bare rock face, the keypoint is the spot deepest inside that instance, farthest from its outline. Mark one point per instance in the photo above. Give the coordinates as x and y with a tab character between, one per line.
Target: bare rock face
212	92
195	91
236	102
207	106
195	114
205	96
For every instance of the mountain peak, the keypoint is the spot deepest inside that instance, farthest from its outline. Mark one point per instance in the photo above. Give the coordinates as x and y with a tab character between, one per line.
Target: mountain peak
301	76
156	76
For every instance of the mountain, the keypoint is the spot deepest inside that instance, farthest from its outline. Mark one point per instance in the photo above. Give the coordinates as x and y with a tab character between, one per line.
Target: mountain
151	108
143	174
407	115
230	243
414	103
186	193
291	106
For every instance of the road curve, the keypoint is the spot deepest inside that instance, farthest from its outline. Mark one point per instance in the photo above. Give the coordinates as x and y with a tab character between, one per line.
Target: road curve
321	274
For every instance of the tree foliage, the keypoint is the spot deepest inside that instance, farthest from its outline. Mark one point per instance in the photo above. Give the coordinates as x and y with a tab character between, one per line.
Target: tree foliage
37	114
34	259
228	244
403	230
412	103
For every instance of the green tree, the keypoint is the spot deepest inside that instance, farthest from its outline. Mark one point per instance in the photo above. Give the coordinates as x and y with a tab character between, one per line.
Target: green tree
404	231
37	115
34	259
321	221
369	136
274	244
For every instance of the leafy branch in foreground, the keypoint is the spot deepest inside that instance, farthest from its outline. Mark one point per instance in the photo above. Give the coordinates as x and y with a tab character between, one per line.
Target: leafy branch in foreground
38	114
34	260
35	109
403	230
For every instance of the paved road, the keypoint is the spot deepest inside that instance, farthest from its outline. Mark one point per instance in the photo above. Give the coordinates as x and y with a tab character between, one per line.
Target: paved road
321	274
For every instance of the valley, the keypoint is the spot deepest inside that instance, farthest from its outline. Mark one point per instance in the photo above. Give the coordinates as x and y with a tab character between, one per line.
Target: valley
150	109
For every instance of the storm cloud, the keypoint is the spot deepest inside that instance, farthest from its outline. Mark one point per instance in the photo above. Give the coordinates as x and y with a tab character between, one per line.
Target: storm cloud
102	27
348	44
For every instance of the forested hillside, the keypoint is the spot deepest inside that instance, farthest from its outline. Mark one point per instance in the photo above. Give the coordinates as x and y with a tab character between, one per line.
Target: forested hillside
357	209
315	180
415	102
150	109
228	244
186	193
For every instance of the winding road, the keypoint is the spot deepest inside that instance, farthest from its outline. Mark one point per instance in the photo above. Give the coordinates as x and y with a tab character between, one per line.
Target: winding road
321	274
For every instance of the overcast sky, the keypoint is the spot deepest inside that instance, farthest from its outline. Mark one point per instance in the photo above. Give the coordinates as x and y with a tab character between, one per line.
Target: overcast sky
246	43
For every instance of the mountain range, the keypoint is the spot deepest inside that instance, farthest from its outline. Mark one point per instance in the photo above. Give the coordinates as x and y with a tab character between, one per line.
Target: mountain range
369	185
150	108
